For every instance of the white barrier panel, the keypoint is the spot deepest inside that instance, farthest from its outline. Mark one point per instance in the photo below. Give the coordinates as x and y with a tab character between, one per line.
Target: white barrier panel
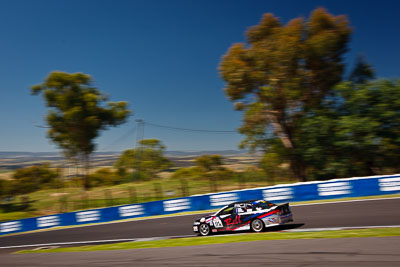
48	221
176	204
278	194
333	189
132	210
223	199
389	184
88	216
10	227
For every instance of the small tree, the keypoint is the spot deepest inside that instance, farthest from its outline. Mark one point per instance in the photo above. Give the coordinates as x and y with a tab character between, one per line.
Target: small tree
77	114
148	159
209	162
31	179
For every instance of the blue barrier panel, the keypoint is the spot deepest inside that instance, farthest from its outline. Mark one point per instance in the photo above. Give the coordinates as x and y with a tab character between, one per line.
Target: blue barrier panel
305	192
278	194
362	187
389	184
200	202
45	222
88	216
12	227
109	214
221	199
68	218
154	208
176	205
131	211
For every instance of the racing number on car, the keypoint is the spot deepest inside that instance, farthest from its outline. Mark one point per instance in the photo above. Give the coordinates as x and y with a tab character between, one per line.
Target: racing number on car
217	222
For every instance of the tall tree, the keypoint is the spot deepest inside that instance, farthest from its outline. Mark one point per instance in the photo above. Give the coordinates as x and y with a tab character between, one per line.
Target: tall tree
77	113
282	72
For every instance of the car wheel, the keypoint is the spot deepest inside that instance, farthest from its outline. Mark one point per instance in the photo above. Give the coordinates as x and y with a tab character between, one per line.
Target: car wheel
204	229
257	225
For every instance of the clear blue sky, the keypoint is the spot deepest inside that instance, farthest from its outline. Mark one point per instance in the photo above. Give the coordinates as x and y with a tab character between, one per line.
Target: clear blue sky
160	56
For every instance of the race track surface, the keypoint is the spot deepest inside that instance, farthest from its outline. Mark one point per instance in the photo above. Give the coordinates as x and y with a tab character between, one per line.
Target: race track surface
348	214
354	252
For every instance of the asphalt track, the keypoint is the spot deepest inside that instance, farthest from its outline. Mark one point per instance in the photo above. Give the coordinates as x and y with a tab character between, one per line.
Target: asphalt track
354	252
383	212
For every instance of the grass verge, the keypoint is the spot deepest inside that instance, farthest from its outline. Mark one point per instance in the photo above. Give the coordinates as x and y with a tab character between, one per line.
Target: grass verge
195	241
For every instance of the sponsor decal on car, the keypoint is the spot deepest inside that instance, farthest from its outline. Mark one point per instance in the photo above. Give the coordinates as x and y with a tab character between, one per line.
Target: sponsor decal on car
389	184
48	221
235	221
223	199
217	222
274	194
336	188
10	227
131	210
88	216
176	204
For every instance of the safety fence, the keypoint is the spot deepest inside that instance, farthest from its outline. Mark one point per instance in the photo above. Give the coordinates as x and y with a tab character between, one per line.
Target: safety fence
337	188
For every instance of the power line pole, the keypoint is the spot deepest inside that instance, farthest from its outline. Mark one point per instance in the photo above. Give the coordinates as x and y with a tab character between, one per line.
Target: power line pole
139	132
138	150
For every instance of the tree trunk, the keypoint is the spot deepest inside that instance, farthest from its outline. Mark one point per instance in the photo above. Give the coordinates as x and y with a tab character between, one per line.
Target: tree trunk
86	162
298	168
297	164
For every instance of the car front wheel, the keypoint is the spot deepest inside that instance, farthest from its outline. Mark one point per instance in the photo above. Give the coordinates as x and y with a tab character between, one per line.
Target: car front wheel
257	225
204	229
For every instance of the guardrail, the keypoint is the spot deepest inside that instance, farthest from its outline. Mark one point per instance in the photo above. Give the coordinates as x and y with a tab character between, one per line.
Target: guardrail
337	188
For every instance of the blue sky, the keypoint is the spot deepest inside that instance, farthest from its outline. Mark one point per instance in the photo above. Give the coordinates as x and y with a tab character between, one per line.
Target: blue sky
160	56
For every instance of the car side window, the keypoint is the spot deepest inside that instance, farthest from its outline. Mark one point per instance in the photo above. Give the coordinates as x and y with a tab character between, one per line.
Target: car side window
228	210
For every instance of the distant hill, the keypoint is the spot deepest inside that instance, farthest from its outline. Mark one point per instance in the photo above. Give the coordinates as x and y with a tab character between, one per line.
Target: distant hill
15	160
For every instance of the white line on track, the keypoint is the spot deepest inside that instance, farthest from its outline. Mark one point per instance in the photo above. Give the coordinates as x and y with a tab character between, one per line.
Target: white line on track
340	228
98	241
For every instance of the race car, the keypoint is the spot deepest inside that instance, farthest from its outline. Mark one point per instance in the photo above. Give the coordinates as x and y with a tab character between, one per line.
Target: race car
252	215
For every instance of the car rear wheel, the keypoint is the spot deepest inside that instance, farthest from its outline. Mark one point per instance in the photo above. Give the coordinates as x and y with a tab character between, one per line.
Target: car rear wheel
204	229
257	225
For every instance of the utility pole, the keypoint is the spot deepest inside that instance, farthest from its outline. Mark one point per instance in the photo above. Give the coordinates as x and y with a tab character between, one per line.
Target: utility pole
138	150
139	132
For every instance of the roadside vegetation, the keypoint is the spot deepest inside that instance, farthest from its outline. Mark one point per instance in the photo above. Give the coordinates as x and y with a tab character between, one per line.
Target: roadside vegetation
54	193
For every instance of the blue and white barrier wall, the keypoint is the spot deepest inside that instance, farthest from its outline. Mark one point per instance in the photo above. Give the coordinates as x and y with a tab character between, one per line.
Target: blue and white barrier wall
338	188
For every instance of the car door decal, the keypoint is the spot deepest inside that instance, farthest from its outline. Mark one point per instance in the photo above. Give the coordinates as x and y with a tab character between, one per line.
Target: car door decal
235	221
217	222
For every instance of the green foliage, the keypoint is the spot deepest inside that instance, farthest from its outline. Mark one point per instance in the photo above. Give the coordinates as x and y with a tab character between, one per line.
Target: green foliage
105	177
188	173
30	179
77	113
282	72
148	159
209	163
362	71
355	132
